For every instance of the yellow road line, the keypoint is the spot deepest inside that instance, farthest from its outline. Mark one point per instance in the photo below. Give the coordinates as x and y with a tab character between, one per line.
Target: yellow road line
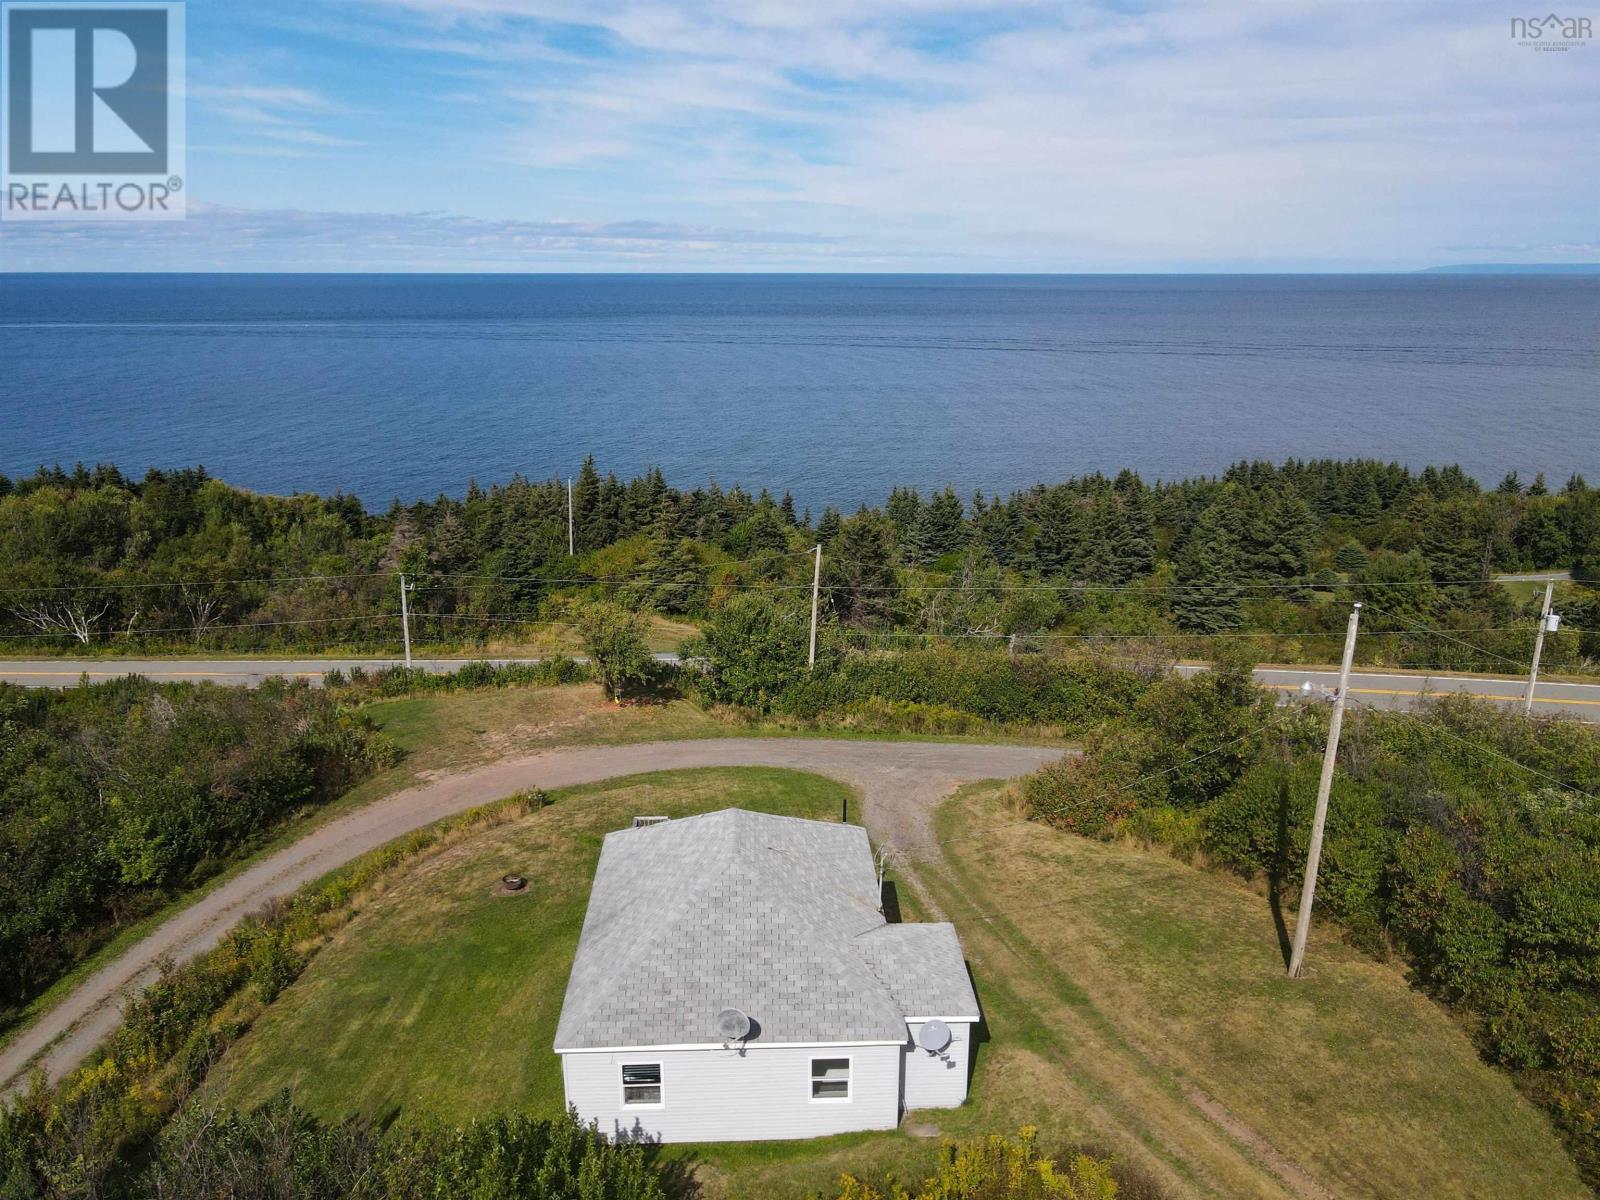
1295	687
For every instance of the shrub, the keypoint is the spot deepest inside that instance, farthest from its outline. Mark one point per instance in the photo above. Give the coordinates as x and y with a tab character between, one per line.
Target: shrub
280	1150
115	796
1073	693
1484	873
751	653
997	1168
613	638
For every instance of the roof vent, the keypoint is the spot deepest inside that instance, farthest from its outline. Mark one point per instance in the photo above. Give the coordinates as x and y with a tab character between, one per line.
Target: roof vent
641	822
733	1025
934	1036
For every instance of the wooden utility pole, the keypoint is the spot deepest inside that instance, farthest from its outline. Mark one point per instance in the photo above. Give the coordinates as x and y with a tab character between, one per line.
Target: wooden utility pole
1308	890
405	618
816	588
1538	646
569	517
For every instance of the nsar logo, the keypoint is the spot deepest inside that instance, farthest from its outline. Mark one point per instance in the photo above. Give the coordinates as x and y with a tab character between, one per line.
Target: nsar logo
1551	32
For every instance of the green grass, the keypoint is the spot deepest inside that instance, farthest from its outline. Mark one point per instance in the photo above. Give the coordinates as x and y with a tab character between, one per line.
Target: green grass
457	731
441	998
1133	1005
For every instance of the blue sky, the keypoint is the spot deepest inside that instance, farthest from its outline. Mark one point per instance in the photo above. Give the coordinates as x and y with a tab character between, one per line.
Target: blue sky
865	135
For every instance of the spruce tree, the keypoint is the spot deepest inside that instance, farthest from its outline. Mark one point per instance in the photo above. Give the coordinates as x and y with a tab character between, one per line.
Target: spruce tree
586	505
1134	546
859	578
939	529
1059	534
1286	533
828	525
1208	597
1451	545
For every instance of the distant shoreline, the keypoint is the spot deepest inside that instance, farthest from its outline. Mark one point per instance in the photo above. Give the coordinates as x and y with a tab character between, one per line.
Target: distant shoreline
1514	269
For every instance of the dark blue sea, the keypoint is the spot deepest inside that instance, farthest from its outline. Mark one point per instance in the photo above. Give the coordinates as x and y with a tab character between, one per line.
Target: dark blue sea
836	387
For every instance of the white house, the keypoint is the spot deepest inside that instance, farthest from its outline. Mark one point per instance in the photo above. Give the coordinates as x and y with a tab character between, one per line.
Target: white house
736	981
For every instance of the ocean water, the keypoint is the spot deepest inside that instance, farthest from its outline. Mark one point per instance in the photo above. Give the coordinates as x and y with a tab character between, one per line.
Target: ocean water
835	387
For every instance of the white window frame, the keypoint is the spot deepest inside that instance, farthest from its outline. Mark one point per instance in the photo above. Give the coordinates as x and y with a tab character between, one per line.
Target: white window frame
849	1078
661	1084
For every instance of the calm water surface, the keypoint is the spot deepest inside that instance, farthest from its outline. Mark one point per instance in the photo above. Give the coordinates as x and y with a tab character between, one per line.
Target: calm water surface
835	387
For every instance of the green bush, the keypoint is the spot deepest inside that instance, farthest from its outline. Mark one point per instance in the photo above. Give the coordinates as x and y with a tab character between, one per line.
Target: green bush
997	1168
281	1151
751	654
1485	875
116	796
388	682
613	638
1026	690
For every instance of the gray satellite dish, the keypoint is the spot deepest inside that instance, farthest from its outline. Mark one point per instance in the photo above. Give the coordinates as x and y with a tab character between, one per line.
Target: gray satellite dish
934	1036
733	1025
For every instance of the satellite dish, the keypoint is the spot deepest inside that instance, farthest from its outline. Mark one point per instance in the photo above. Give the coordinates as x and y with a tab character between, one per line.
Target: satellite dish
733	1025
934	1036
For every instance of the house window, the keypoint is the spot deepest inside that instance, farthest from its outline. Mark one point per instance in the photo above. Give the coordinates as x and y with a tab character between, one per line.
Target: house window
641	1083
830	1079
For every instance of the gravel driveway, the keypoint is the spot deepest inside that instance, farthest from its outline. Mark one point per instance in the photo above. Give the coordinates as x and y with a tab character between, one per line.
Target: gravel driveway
900	784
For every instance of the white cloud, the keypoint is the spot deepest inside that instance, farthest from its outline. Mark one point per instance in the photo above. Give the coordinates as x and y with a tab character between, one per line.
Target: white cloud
1038	134
215	236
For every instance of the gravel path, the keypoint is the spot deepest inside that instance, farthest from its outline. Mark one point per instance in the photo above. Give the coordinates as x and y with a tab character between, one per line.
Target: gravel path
900	784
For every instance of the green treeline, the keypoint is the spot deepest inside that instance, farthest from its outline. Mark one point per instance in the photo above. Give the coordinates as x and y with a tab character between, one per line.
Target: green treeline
92	560
1464	838
116	797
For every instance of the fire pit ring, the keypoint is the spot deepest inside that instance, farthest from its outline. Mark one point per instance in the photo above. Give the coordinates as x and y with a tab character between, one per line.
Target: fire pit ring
513	883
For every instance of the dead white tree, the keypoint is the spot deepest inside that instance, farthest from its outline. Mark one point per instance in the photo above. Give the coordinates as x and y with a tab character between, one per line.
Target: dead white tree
203	609
68	616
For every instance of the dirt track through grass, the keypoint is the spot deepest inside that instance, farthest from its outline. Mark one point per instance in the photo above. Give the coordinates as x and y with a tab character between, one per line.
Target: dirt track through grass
1157	992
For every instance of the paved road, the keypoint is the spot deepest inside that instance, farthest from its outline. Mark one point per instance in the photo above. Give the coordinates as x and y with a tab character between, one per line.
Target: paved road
64	672
1376	688
899	784
1536	577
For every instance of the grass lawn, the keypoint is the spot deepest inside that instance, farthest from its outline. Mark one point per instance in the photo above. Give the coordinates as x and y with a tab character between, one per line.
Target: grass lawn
1133	1004
454	731
441	999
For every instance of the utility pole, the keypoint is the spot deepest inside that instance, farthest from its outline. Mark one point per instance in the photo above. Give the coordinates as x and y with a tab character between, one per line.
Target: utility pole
405	618
569	517
1538	646
816	587
1308	890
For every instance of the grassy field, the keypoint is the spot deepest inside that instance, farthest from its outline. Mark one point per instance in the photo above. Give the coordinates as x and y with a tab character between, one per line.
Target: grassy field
454	731
1133	1004
442	998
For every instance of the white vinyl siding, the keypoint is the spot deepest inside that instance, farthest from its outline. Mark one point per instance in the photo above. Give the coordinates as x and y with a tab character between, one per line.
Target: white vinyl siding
717	1095
938	1081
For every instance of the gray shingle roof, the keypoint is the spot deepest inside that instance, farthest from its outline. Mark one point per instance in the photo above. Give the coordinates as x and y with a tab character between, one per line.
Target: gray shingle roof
751	911
922	967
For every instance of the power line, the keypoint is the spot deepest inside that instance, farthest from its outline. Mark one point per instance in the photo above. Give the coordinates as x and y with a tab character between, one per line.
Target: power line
1263	633
1472	744
771	557
169	583
208	628
1448	637
1277	718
